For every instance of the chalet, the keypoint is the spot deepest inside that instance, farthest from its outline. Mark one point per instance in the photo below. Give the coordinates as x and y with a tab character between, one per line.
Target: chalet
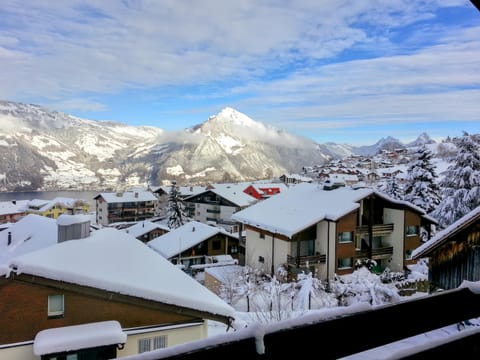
453	253
327	232
12	211
217	203
58	206
108	276
194	242
124	206
264	190
146	231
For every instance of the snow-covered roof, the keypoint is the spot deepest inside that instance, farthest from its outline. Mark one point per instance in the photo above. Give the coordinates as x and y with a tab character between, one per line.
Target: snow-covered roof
8	207
76	337
233	193
32	232
66	219
44	205
144	227
127	196
226	272
445	234
115	261
305	205
184	237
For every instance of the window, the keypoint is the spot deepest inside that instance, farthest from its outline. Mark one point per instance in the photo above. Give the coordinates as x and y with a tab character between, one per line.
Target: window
261	235
345	263
261	259
158	342
412	230
144	345
216	245
346	236
55	306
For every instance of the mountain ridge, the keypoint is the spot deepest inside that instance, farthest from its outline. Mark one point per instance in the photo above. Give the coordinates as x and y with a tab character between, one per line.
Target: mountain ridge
49	150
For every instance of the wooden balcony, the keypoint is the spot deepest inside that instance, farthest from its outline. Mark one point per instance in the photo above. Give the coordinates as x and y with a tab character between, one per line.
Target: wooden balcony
303	260
377	230
377	253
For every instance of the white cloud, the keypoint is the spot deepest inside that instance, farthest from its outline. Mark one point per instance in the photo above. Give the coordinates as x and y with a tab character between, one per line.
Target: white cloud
75	47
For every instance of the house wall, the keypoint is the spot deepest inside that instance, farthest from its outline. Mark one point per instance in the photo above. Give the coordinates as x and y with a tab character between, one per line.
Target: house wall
396	238
325	243
411	241
175	335
19	300
102	211
257	247
18	352
347	223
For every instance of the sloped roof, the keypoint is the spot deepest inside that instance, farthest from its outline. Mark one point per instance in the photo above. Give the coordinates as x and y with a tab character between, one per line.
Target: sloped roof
231	192
442	236
30	233
305	205
114	261
8	207
144	227
184	238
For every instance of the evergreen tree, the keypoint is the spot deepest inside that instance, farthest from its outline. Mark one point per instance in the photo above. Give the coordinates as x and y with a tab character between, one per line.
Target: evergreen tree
421	188
175	208
460	185
391	188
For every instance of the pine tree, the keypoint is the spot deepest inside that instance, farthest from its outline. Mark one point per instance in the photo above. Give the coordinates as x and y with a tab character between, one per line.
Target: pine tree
392	189
460	185
175	208
421	188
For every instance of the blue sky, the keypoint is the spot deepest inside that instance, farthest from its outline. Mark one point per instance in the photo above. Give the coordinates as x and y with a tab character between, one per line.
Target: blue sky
340	71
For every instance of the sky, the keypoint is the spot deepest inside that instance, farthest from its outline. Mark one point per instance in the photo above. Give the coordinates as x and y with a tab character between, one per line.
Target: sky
340	71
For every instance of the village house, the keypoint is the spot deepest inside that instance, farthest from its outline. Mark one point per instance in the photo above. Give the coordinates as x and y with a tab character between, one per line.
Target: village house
195	243
58	206
289	179
12	211
217	203
453	253
146	231
108	283
127	206
328	231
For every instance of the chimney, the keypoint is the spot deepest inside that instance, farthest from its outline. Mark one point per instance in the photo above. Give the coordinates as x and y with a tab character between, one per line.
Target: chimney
14	202
9	241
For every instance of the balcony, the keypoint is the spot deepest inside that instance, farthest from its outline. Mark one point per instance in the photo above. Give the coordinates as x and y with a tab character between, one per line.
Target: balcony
377	253
377	230
303	260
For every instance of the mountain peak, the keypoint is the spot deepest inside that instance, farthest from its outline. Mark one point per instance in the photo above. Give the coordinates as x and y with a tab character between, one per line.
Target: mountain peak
232	116
422	139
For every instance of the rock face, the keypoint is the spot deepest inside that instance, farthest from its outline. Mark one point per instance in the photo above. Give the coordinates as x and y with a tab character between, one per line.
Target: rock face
48	150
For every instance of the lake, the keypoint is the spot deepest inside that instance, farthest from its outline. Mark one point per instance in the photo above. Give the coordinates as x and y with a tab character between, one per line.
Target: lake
50	195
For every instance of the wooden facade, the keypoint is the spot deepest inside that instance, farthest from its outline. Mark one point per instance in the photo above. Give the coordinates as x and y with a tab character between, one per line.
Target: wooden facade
454	255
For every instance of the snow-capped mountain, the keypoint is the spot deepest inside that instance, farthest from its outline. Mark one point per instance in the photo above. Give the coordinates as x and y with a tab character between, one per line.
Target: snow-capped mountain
386	143
43	150
422	139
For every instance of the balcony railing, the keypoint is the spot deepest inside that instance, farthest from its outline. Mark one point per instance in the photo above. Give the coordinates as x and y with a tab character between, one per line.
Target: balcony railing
378	229
377	253
303	260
